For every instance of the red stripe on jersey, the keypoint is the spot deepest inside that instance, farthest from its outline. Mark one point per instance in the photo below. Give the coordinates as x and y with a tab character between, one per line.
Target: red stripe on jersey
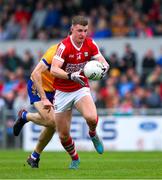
59	51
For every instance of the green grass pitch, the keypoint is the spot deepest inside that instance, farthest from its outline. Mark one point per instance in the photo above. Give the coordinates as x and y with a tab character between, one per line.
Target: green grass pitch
110	165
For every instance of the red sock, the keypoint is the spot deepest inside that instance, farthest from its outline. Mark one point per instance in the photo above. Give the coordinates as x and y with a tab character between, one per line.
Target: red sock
92	131
69	146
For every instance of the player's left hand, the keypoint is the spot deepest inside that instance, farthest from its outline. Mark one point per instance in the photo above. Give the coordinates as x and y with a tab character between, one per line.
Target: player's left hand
105	68
47	104
75	76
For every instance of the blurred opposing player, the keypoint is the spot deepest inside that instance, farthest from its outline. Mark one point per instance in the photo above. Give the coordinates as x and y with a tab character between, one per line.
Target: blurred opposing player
41	94
72	86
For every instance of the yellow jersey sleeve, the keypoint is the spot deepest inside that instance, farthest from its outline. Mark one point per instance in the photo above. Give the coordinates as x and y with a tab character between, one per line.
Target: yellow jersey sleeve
47	78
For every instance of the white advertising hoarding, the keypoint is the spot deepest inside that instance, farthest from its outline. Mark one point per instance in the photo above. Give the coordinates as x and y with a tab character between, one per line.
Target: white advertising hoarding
131	133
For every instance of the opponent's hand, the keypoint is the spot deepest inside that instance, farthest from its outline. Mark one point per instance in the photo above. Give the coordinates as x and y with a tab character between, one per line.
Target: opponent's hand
105	68
77	77
47	104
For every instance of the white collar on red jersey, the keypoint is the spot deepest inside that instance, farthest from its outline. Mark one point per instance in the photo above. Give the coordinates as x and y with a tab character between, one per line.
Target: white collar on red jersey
74	44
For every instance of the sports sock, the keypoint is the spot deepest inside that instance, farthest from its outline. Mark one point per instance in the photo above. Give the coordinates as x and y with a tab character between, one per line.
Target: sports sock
92	131
24	116
69	146
35	155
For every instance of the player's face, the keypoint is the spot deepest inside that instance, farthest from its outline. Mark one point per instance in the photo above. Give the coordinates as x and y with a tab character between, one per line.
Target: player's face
79	33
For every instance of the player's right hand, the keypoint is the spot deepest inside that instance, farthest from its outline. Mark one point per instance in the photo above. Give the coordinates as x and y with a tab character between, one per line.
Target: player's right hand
47	104
75	76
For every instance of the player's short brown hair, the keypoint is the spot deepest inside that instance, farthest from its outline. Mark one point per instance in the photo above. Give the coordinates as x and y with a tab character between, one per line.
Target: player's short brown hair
81	20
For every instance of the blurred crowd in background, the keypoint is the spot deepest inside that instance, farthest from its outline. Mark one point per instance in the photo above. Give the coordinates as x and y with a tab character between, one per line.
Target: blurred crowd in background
42	19
124	88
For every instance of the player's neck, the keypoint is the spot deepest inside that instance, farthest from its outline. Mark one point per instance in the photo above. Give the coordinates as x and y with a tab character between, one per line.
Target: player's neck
77	44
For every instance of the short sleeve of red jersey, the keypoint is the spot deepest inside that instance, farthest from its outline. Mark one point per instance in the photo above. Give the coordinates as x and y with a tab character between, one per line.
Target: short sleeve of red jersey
60	53
95	50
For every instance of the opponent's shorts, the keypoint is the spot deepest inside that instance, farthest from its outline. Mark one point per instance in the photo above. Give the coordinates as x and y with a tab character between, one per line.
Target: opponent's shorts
65	100
34	95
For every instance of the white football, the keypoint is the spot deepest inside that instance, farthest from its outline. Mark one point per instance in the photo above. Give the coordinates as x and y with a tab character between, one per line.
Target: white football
93	70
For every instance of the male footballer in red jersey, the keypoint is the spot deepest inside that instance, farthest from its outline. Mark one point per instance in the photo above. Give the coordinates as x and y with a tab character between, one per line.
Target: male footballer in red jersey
72	88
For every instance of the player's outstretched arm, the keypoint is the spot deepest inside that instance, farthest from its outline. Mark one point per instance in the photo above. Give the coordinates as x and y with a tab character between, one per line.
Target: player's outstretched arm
37	79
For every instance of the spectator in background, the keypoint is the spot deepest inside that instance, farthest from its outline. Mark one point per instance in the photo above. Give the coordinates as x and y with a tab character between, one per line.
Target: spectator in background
114	61
64	26
21	14
25	32
124	85
42	35
131	73
21	81
2	80
1	86
12	61
13	28
159	60
10	83
139	97
93	19
9	100
148	64
109	94
160	91
4	35
143	29
2	102
70	8
158	26
38	16
118	21
21	101
53	15
14	82
2	65
152	97
155	77
126	105
88	5
102	30
27	63
154	11
129	57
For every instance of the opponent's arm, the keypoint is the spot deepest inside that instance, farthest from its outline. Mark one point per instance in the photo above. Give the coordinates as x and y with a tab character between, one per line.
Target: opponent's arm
37	79
56	70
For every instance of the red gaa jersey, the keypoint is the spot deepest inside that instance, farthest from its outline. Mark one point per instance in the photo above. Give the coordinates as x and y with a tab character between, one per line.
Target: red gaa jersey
74	59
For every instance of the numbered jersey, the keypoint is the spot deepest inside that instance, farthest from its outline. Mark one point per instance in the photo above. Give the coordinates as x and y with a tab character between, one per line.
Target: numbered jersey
74	59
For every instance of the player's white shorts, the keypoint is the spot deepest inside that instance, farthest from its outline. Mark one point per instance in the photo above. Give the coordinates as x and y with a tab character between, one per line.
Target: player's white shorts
65	100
